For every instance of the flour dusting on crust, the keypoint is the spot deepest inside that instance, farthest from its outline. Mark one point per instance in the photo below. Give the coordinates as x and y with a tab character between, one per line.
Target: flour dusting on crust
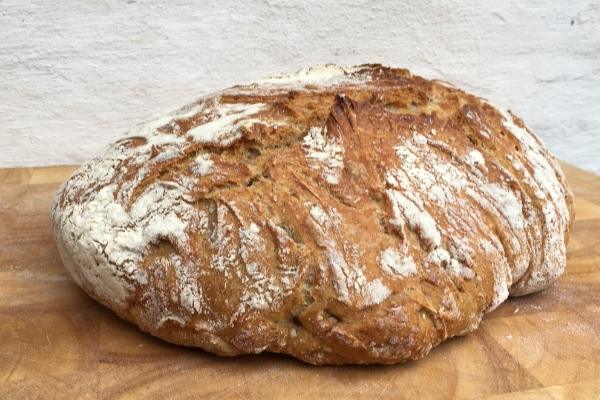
321	75
393	263
324	153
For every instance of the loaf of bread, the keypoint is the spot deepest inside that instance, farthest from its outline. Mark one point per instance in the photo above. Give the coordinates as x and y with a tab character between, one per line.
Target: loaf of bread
339	215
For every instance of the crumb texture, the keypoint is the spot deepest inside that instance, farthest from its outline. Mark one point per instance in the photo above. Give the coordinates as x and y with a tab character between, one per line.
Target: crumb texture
339	215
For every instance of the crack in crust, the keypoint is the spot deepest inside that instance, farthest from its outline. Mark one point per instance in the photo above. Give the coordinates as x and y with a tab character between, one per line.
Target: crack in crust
358	215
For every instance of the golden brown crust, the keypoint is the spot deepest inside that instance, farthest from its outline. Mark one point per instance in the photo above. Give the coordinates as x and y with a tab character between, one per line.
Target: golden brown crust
340	216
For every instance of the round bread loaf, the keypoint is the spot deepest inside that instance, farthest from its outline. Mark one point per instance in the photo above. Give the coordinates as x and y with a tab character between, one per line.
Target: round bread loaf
358	215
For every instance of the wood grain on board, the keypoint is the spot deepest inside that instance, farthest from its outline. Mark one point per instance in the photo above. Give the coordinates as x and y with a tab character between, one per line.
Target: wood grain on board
55	342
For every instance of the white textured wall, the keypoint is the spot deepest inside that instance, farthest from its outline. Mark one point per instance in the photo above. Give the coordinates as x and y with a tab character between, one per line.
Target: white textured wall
75	75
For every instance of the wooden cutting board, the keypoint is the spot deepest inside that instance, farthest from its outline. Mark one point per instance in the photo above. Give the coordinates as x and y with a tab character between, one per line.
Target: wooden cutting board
55	342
